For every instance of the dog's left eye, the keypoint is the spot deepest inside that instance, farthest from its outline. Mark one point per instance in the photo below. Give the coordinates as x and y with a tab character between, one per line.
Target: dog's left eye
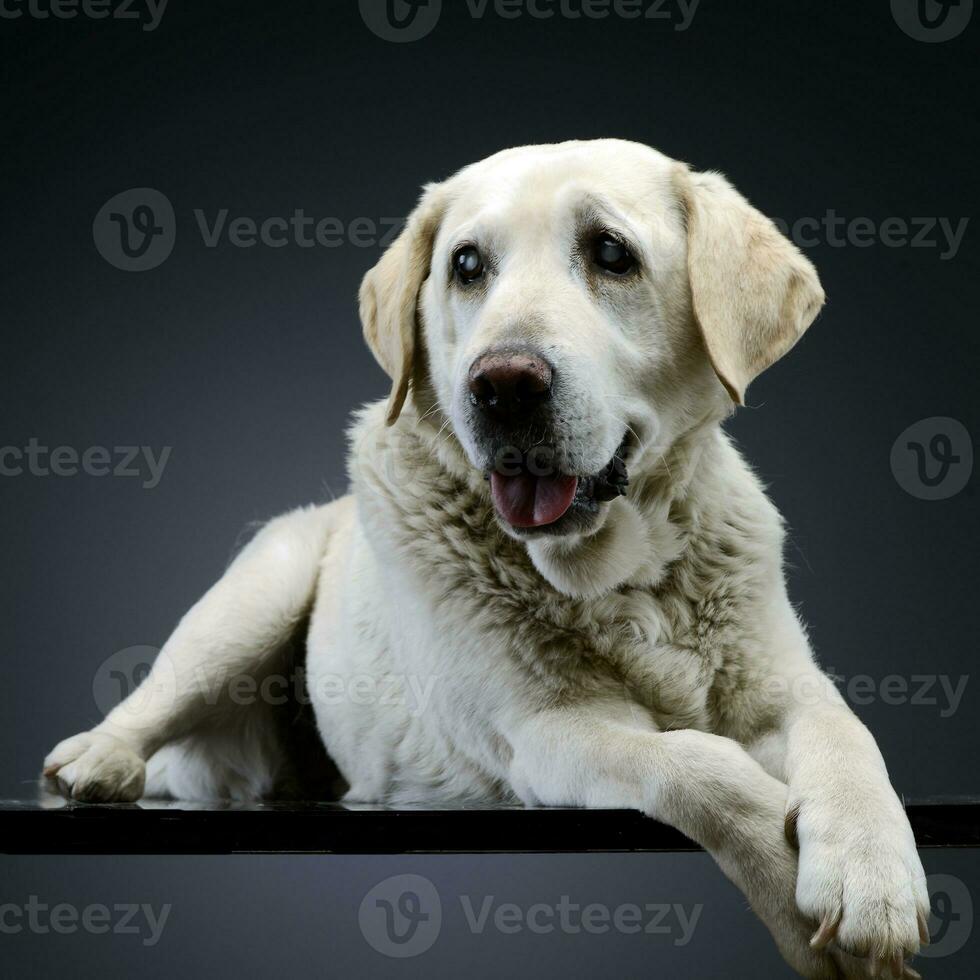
612	255
468	263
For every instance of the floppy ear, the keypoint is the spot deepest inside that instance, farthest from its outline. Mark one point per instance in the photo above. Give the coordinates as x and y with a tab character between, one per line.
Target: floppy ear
754	292
389	297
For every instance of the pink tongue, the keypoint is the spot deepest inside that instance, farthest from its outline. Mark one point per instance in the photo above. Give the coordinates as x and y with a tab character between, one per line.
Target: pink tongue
532	501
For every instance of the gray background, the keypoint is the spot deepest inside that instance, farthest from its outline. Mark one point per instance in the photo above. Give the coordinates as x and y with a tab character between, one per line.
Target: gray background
247	362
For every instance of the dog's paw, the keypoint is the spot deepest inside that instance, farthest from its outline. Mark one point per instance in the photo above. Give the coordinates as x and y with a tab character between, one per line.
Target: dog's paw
861	879
802	944
95	768
763	864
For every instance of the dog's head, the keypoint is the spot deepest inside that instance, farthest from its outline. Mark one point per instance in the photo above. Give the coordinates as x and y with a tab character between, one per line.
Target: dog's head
572	309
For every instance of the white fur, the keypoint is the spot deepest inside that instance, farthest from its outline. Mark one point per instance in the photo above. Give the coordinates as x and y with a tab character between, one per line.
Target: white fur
654	663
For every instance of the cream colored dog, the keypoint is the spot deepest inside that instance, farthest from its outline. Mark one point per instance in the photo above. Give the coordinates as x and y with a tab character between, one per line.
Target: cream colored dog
555	580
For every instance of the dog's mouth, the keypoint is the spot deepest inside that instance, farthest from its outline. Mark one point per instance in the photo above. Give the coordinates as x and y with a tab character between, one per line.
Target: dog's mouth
528	496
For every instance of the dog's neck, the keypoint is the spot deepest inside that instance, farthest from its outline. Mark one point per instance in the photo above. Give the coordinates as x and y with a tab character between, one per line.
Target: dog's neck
643	534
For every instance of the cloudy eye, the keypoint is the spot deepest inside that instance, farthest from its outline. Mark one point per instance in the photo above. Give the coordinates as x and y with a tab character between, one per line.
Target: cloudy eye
468	263
612	255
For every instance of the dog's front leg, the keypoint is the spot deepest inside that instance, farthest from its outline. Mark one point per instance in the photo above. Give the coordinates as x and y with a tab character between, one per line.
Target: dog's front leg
232	632
706	786
860	874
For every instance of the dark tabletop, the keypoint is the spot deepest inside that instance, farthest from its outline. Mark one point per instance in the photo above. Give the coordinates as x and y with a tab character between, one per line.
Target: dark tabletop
174	827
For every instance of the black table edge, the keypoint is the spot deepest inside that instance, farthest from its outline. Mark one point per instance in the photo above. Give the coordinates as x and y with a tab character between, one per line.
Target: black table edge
322	828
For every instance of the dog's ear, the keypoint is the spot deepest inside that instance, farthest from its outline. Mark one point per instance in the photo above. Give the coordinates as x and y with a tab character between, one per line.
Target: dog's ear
754	292
389	296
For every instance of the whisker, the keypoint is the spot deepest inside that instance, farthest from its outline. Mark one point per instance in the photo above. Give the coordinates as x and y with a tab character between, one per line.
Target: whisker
435	408
627	426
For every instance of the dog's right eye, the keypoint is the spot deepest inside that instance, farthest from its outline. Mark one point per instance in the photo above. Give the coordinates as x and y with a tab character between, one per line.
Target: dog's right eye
611	254
468	263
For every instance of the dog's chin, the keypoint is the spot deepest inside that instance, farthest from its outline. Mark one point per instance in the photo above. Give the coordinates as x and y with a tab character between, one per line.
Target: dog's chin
588	566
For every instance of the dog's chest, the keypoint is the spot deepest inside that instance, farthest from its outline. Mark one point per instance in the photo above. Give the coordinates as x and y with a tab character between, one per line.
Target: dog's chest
658	650
633	646
655	652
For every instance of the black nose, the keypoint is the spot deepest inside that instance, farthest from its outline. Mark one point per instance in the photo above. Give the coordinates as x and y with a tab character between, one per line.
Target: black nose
509	385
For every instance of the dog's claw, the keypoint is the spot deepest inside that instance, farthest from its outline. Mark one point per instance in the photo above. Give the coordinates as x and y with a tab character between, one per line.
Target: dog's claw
827	931
893	965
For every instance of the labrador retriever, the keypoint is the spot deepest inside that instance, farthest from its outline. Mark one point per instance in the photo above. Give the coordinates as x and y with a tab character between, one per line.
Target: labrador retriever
555	580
